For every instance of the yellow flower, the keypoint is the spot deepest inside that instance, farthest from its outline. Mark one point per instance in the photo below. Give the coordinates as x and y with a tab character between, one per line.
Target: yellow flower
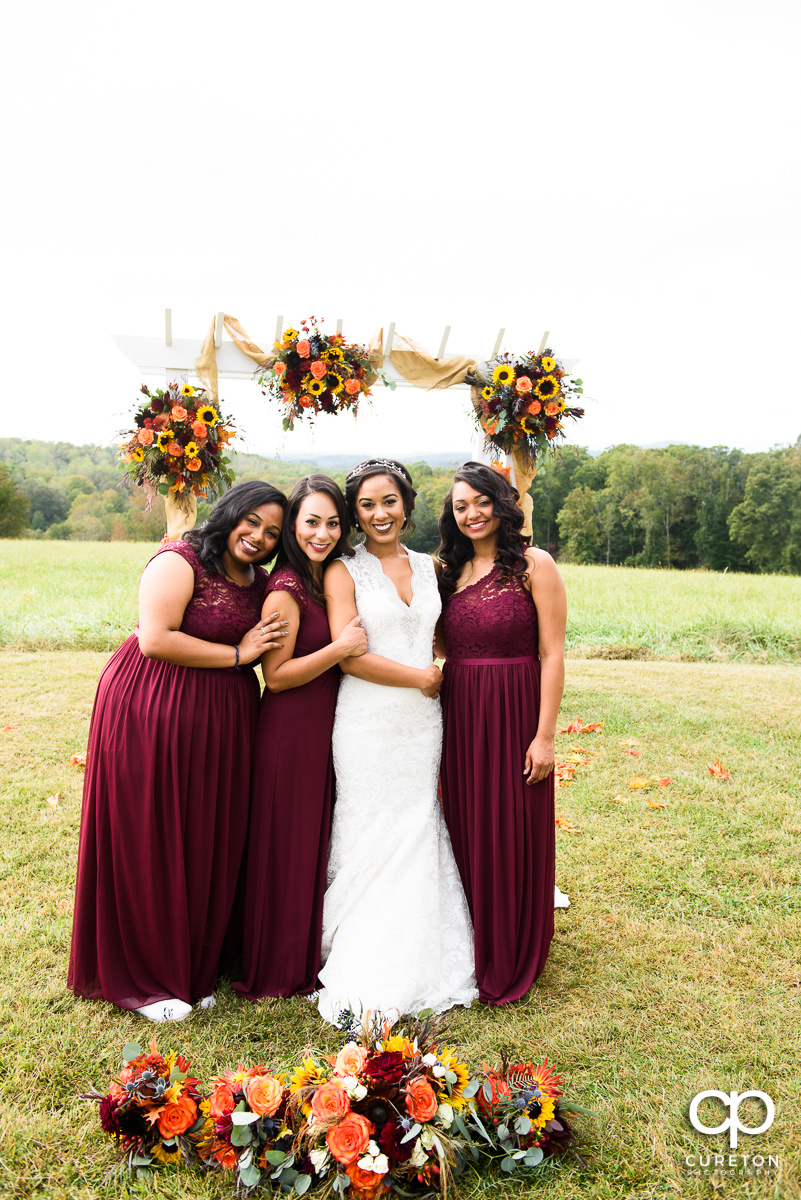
337	387
137	455
315	387
486	393
307	1075
333	354
163	439
166	1154
451	1063
547	1105
290	334
547	388
399	1044
548	364
207	414
191	450
503	374
529	425
187	390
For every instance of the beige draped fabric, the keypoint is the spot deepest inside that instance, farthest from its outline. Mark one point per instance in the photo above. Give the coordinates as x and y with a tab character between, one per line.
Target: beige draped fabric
206	363
181	509
421	369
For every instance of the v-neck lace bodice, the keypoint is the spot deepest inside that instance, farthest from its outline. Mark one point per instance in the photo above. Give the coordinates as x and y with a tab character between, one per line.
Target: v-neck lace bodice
396	630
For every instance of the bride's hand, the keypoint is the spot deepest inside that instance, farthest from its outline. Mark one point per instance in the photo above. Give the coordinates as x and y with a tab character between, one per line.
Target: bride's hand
432	681
269	633
352	641
539	760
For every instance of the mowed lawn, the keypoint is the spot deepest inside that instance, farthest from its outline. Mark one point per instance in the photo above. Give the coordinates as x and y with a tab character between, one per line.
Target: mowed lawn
675	970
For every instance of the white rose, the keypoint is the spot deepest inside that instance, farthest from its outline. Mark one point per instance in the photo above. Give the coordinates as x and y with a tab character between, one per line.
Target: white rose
381	1164
372	1148
366	1163
359	1092
445	1114
429	1059
427	1137
320	1157
438	1071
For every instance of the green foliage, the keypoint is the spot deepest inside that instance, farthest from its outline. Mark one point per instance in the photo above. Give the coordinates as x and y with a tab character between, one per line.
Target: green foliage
14	506
767	524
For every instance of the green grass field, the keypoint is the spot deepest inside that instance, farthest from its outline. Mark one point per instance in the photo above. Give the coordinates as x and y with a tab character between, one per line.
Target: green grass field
675	970
82	596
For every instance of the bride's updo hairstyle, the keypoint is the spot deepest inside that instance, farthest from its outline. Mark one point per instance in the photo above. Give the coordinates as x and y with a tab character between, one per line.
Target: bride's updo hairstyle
211	538
455	549
290	552
380	466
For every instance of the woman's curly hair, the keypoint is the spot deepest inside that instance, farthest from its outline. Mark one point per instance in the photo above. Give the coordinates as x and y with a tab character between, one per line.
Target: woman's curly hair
455	549
211	538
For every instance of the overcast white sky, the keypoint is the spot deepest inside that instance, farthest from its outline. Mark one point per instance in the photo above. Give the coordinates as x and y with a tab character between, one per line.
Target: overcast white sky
623	174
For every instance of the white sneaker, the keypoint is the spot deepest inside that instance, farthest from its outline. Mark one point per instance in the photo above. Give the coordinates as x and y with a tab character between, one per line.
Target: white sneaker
560	900
208	1002
165	1010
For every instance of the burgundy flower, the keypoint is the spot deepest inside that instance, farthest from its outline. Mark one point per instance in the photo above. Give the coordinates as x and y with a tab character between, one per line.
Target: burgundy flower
109	1115
157	405
387	1067
389	1138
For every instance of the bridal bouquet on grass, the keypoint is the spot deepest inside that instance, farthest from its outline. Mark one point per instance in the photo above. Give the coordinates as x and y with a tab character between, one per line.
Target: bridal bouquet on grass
178	444
395	1110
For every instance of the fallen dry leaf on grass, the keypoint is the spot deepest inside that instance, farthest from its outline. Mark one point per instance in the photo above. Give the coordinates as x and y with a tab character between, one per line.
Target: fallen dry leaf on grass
567	825
663	783
583	750
718	770
633	753
629	742
619	800
53	800
9	728
649	800
578	726
79	760
639	782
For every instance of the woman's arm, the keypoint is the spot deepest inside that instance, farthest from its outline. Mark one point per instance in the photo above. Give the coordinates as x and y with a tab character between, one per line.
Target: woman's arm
548	593
340	595
281	671
165	589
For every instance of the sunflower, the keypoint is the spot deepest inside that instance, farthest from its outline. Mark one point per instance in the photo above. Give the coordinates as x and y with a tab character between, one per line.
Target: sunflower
207	414
529	425
540	1111
548	364
460	1070
333	354
191	450
486	393
162	440
187	390
547	388
315	387
290	334
167	1153
337	387
307	1075
137	455
503	375
399	1044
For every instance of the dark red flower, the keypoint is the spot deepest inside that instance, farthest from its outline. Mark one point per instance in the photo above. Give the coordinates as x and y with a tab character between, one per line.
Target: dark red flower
109	1115
389	1138
387	1067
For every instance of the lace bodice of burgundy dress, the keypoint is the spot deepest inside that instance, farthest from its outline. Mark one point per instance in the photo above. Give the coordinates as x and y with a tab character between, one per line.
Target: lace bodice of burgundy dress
493	618
219	611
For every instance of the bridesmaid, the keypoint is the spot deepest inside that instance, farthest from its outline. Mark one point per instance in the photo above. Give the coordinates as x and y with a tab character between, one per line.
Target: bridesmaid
167	771
292	786
503	623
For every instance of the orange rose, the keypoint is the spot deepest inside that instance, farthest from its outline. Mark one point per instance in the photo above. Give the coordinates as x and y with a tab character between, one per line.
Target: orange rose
178	412
318	369
350	1059
222	1101
177	1117
523	385
264	1094
279	367
304	348
551	434
330	1100
174	449
364	1185
200	431
192	464
352	387
421	1100
534	408
145	437
349	1138
552	408
305	400
225	1154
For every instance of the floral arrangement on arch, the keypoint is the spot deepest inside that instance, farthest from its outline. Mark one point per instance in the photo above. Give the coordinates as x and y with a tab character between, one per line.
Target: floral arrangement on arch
523	404
312	372
178	444
395	1110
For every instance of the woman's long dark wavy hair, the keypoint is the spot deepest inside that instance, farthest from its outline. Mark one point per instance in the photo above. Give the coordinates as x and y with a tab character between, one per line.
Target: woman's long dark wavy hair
210	540
381	466
290	553
455	549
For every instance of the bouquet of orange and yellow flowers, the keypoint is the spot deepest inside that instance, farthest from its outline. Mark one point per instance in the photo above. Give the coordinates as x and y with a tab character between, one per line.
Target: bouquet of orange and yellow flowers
178	443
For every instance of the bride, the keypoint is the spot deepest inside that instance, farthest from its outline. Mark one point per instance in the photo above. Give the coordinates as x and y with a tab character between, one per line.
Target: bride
396	929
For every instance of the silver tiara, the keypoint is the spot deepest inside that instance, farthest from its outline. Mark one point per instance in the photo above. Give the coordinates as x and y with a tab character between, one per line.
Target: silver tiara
369	463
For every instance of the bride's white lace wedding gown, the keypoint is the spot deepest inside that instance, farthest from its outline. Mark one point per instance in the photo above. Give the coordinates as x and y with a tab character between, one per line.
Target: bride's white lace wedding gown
396	928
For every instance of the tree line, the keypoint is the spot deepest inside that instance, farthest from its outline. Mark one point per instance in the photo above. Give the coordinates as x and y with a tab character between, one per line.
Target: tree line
679	507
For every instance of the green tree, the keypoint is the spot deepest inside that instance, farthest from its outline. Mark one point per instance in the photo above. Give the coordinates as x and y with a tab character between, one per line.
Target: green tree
579	530
14	506
767	524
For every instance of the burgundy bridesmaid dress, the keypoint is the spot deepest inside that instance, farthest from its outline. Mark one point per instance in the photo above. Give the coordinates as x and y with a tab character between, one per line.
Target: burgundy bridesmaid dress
165	808
502	830
291	797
